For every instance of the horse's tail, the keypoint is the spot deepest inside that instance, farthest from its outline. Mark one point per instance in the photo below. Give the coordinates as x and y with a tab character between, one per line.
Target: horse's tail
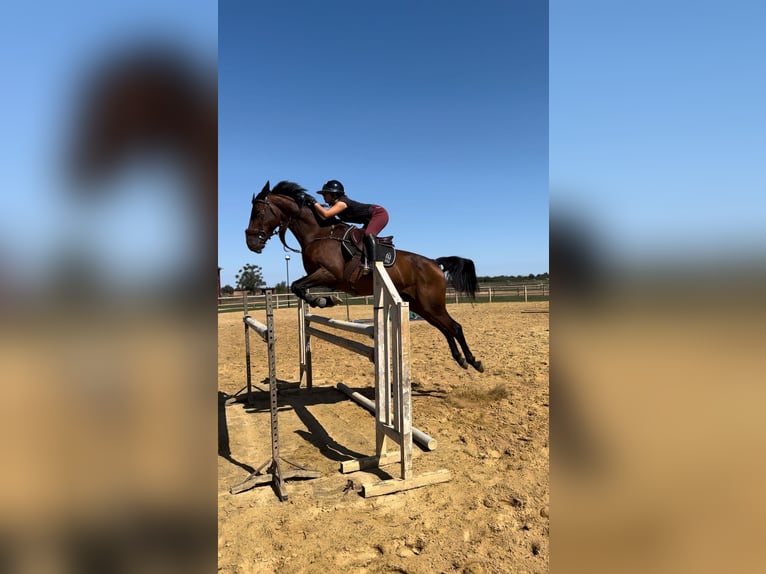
461	274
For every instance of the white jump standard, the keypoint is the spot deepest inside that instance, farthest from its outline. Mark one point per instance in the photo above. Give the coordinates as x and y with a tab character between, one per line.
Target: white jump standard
393	402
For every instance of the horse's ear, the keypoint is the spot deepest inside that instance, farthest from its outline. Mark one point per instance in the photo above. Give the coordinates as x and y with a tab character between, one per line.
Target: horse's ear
264	192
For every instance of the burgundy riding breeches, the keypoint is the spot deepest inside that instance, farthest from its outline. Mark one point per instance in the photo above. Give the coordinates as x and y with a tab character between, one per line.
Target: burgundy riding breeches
378	220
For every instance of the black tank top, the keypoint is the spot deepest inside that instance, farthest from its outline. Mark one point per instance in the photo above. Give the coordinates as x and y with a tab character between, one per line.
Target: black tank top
355	211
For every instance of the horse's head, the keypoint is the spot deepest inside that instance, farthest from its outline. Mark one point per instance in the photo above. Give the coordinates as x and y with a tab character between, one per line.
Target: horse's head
276	208
264	219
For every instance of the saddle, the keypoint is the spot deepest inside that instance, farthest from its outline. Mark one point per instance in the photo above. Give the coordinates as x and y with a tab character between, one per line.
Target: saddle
353	243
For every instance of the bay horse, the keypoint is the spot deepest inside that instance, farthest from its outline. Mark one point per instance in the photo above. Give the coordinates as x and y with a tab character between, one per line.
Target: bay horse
420	281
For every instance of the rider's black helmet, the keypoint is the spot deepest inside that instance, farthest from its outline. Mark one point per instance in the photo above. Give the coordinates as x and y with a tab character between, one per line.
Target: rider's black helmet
332	186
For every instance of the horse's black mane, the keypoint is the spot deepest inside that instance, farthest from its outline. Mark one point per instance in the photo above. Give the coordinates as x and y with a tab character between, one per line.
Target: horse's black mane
288	188
294	192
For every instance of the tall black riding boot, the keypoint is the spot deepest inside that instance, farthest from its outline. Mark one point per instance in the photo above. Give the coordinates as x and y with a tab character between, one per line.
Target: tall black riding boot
369	253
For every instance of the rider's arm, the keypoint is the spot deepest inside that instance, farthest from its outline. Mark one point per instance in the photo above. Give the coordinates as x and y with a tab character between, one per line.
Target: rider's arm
333	211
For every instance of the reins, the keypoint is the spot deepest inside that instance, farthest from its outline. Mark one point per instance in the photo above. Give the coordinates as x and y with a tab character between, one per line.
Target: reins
282	228
282	232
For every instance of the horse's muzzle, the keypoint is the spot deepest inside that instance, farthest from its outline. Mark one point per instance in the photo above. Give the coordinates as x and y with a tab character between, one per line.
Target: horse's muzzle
256	240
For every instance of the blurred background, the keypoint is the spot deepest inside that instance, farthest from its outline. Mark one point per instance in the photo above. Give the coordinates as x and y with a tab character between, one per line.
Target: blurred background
658	263
107	250
657	256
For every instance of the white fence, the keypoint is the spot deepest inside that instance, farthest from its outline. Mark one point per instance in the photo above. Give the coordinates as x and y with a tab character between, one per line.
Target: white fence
486	294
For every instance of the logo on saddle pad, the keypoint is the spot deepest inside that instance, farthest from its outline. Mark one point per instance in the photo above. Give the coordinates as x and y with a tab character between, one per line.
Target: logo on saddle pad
385	251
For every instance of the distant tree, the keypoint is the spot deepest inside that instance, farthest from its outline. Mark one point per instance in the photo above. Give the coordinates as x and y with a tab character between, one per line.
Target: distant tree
249	278
281	287
227	290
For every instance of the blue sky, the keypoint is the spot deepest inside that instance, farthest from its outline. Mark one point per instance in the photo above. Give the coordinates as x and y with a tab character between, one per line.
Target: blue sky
438	111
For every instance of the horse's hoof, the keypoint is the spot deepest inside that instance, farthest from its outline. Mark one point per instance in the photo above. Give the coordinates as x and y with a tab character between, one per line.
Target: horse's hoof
333	300
478	366
462	363
320	302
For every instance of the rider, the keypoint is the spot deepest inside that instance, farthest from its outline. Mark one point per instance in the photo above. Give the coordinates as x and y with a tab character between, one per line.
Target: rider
373	217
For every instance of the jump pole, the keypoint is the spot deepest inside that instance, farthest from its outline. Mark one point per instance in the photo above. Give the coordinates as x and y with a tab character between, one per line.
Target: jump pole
262	331
305	332
274	475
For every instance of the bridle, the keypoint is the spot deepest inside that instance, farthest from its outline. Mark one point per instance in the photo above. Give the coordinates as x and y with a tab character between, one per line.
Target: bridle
261	234
281	228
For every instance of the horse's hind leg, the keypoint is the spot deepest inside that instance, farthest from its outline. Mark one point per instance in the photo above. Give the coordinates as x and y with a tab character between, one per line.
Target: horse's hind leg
452	330
450	341
464	345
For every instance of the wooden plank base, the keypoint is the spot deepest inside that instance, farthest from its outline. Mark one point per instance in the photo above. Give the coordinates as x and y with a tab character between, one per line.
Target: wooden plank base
356	464
398	484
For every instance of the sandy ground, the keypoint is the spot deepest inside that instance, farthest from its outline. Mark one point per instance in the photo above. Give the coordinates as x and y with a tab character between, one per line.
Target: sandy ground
492	432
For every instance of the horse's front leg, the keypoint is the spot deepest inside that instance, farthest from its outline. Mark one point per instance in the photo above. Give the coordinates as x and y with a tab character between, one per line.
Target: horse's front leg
319	278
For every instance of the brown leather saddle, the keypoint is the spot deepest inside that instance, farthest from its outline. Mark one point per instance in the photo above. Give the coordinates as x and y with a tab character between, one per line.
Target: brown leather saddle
353	243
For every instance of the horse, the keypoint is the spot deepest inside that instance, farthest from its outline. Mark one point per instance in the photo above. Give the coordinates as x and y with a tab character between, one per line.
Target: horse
421	281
